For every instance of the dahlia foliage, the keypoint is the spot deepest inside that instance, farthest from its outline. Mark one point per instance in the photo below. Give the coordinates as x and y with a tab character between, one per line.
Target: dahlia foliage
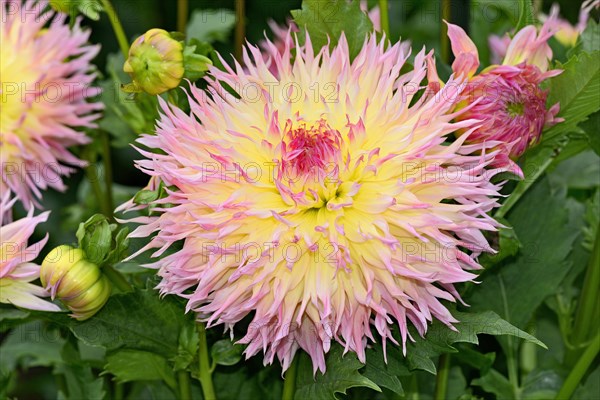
341	207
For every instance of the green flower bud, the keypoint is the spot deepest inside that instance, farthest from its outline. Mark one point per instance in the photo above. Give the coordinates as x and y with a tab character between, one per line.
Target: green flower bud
56	264
91	301
80	277
155	62
76	281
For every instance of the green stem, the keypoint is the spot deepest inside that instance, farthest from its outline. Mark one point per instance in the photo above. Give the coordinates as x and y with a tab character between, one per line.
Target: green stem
91	172
117	278
413	389
521	188
205	374
441	380
185	388
182	15
588	310
119	389
511	359
240	27
289	383
117	27
385	17
108	175
577	373
444	41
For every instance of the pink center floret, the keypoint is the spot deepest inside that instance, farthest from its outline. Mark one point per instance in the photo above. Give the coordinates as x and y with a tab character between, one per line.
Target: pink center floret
308	150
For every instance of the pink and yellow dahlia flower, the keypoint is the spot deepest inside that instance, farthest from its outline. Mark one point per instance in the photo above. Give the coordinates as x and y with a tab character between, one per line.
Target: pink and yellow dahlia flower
507	98
16	268
45	80
318	200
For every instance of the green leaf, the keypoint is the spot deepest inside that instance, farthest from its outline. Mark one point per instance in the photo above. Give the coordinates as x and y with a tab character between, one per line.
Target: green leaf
11	316
138	320
541	385
526	14
325	20
590	388
457	383
579	172
81	383
576	89
480	361
592	220
146	196
248	380
546	224
494	382
535	163
195	59
341	375
95	237
31	345
119	247
591	127
507	243
135	365
224	352
89	8
125	115
589	37
440	338
386	374
187	347
210	25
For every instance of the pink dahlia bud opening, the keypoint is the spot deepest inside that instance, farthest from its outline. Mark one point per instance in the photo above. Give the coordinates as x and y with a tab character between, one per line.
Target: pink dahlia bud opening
322	200
507	99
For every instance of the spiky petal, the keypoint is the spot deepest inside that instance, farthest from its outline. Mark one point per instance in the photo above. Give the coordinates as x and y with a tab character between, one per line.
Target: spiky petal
16	268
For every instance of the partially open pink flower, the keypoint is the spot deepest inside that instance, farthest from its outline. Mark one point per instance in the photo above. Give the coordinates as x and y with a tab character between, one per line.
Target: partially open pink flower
566	33
332	216
506	98
16	268
46	76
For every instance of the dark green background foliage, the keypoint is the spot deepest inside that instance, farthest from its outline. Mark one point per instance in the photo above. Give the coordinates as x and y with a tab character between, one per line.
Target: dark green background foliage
515	340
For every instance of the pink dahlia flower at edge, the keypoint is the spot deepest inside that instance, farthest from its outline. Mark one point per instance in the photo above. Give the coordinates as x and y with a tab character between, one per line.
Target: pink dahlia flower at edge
566	34
507	98
16	269
336	217
46	76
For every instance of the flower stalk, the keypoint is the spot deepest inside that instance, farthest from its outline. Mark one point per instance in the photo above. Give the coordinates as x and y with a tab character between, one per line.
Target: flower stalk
441	380
588	310
117	27
182	15
108	175
240	27
117	278
289	384
385	17
185	389
577	373
205	374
